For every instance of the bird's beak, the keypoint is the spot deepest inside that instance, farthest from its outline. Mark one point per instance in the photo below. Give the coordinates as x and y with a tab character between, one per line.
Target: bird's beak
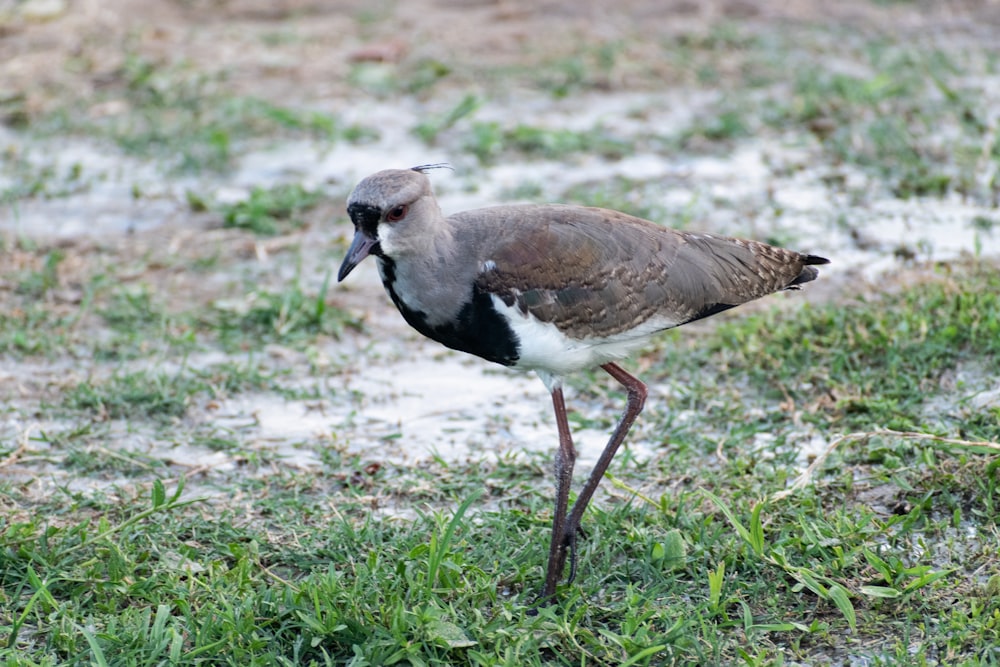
360	247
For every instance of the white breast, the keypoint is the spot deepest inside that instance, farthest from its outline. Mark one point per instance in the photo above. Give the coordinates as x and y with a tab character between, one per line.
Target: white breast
543	347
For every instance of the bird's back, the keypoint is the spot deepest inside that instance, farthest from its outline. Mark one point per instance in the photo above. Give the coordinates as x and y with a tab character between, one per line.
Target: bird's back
595	273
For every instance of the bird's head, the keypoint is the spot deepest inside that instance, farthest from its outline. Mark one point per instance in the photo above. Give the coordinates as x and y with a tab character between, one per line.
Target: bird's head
392	211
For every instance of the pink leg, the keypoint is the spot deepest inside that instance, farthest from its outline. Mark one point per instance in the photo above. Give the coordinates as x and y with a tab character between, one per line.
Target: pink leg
565	530
565	459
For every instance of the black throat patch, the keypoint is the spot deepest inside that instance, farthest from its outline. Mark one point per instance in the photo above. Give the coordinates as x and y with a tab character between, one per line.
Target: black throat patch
478	328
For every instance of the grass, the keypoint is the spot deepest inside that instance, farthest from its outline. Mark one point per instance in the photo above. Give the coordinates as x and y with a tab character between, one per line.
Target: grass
693	561
287	316
28	175
879	371
269	211
490	141
138	395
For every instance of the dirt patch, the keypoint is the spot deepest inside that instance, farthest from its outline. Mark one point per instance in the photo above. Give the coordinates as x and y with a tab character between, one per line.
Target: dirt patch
302	51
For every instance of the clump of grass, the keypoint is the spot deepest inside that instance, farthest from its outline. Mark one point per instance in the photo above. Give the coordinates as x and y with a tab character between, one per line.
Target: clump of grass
139	324
288	316
132	309
29	324
160	396
32	330
722	126
269	211
135	395
33	177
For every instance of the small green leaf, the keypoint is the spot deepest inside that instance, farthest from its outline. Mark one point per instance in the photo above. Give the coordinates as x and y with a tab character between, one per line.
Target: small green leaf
671	553
757	530
842	599
926	579
643	654
716	578
880	592
159	494
448	635
876	562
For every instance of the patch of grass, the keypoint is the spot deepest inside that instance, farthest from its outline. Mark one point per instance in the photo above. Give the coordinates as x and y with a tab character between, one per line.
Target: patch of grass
186	119
289	316
913	120
139	324
26	176
592	67
97	461
135	395
322	583
32	330
488	141
723	126
877	361
36	284
232	377
270	211
131	310
161	396
418	77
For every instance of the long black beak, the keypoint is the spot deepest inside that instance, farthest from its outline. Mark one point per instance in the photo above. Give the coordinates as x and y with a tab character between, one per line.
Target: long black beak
361	246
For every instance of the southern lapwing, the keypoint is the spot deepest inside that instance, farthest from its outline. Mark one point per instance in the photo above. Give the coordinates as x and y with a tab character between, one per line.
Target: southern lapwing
554	289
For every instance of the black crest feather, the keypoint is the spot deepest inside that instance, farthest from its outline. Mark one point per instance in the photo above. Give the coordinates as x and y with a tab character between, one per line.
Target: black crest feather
424	168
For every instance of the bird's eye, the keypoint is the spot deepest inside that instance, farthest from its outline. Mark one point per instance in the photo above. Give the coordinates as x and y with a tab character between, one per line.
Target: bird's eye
397	213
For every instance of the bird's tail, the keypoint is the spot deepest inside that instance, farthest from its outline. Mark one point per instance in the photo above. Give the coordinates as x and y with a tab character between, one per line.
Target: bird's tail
808	273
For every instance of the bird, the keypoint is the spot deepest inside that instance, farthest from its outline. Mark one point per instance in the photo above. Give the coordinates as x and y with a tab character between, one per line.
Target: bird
555	289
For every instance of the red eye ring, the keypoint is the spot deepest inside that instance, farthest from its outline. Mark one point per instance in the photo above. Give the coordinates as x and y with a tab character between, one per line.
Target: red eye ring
398	213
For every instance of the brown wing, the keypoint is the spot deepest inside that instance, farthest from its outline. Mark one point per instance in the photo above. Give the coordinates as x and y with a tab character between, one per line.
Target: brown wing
596	273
